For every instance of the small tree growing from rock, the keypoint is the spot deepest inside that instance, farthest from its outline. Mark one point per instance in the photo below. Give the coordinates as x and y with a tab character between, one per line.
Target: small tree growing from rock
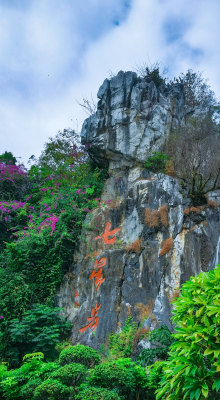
194	151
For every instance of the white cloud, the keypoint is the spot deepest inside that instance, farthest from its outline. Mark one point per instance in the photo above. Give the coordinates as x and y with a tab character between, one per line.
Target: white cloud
53	52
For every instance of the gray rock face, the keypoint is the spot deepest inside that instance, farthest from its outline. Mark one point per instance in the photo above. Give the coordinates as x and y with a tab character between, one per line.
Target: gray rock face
145	240
133	119
160	244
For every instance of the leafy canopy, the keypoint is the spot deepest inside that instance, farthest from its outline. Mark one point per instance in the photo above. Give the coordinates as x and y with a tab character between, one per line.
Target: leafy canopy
192	370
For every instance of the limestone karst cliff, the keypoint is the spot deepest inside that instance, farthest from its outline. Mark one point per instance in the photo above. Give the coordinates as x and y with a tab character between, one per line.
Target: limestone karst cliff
146	240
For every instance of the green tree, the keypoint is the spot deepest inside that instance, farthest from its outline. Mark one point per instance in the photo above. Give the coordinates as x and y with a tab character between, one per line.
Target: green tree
62	150
123	375
52	389
192	370
197	91
79	354
8	158
160	340
71	374
39	330
20	383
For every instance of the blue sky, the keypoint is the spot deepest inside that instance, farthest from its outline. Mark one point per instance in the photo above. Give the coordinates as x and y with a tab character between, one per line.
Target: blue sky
55	52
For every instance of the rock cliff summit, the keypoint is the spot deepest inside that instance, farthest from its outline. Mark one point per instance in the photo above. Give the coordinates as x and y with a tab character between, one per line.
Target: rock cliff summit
133	118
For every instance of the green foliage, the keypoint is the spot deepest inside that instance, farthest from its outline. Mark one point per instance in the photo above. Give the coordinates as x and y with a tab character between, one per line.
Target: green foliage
41	255
153	73
110	375
62	150
20	383
192	370
160	340
121	343
27	390
128	378
94	393
38	236
79	354
51	389
156	162
154	373
39	330
8	158
71	374
35	262
32	356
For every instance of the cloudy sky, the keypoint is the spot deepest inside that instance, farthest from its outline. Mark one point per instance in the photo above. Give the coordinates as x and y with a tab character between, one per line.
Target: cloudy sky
55	52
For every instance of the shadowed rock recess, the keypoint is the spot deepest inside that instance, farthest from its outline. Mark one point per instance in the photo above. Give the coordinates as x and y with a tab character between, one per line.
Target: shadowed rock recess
160	241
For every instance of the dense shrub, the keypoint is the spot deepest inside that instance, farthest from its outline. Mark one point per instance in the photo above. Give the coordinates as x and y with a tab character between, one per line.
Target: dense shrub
20	383
40	329
52	389
94	393
13	181
153	73
71	374
79	354
27	390
192	370
121	343
156	162
160	340
128	378
154	373
113	376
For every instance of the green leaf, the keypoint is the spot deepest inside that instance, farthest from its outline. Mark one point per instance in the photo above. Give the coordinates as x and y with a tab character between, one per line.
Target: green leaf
216	384
197	394
205	390
208	351
199	311
192	395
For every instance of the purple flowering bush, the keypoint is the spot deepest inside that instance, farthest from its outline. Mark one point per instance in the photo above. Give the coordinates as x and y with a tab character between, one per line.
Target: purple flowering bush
40	231
13	181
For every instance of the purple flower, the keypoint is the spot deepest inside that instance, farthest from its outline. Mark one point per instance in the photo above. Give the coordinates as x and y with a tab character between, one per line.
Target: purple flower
78	191
1	317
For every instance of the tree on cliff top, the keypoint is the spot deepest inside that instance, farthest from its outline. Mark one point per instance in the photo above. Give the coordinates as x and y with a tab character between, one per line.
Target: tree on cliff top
197	92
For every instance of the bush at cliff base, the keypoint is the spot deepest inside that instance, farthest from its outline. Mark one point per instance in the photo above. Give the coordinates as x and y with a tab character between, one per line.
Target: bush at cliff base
21	383
71	374
193	368
79	354
52	389
94	393
123	375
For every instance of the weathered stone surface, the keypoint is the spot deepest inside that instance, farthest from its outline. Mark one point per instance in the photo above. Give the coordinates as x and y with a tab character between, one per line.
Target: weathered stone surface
133	119
138	279
161	242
